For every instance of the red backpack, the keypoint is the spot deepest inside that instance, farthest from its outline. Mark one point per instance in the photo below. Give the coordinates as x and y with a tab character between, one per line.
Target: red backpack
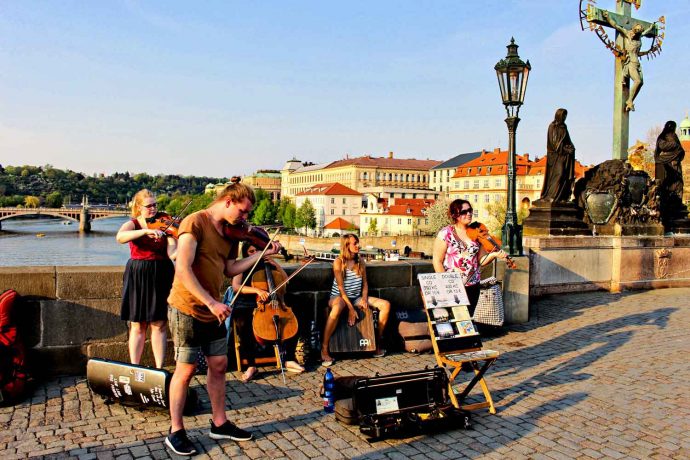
13	375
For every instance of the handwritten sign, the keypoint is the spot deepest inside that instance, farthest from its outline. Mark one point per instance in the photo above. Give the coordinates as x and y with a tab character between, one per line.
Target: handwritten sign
443	289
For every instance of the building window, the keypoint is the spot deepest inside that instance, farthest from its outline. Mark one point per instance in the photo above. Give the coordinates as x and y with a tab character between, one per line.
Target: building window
498	183
486	183
497	198
457	184
343	200
332	200
434	174
479	170
409	221
467	197
476	199
486	198
332	212
475	184
343	212
399	221
467	184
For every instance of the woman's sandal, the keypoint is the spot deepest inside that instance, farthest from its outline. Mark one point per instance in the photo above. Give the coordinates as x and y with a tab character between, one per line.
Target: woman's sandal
327	362
247	376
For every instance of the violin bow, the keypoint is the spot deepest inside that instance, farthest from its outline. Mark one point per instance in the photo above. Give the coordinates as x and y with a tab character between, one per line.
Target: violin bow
251	270
292	275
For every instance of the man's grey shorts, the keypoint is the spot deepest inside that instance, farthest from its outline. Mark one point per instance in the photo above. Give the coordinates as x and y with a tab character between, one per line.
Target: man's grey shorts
192	336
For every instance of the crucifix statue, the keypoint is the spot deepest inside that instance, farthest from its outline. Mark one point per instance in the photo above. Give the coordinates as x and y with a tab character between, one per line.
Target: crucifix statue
627	49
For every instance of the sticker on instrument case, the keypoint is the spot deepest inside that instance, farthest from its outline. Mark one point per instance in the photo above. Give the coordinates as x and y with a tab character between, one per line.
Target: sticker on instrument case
385	405
139	376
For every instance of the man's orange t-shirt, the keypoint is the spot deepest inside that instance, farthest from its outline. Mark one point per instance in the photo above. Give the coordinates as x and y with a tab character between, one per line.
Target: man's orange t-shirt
212	252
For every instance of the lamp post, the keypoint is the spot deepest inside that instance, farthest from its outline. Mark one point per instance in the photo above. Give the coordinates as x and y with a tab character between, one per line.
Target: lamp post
512	75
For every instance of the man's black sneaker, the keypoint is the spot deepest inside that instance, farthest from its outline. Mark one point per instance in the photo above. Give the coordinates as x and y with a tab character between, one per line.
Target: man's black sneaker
229	430
179	443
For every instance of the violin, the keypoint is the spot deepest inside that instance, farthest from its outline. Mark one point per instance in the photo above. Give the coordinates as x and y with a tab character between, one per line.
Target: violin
256	236
478	232
164	222
273	320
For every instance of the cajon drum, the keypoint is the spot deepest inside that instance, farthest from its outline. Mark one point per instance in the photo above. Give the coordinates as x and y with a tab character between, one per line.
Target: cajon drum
359	338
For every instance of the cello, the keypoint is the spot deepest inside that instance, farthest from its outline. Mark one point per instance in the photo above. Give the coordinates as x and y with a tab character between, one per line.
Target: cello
273	320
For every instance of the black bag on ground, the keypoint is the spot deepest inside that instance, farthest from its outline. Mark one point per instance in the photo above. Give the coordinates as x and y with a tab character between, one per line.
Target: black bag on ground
401	403
414	330
344	412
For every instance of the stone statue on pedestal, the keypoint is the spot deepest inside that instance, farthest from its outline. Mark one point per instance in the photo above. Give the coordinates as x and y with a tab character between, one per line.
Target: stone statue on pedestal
560	161
668	155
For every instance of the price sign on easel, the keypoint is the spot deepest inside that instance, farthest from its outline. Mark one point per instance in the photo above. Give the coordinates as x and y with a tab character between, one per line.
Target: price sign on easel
443	289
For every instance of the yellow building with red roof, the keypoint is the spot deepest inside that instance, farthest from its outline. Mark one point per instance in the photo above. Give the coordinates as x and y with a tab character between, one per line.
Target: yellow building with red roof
332	201
396	216
364	174
484	180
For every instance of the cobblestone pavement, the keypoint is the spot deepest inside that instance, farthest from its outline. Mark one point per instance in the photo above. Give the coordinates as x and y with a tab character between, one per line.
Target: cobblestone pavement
593	375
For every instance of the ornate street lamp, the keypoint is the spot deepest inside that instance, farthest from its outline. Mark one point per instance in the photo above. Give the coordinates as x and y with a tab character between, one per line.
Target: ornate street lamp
512	75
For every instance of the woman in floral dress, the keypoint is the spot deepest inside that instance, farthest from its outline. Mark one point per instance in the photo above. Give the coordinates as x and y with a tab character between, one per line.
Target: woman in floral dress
454	250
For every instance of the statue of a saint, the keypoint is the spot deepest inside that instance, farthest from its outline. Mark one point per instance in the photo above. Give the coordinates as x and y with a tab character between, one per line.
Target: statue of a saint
560	161
632	43
668	170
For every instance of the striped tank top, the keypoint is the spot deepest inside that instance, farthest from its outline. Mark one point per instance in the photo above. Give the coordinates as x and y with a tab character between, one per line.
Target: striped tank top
352	283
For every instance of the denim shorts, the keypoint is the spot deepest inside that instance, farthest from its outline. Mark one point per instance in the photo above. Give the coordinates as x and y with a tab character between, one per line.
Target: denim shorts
191	336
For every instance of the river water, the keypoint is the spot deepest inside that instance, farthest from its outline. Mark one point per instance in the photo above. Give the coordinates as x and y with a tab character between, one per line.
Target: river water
51	242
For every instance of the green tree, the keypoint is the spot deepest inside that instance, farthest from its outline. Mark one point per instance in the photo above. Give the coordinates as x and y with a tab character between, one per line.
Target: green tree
264	213
306	216
289	215
31	201
497	216
373	227
53	200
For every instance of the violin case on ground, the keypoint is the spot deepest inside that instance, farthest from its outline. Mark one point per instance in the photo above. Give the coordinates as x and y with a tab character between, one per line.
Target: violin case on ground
133	385
399	404
414	330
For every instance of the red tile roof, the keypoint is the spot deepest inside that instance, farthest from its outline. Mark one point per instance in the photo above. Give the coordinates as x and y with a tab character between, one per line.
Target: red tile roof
496	160
334	188
339	224
390	163
540	166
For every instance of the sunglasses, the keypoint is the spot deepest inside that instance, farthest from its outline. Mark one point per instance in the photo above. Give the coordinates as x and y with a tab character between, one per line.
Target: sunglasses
152	205
465	212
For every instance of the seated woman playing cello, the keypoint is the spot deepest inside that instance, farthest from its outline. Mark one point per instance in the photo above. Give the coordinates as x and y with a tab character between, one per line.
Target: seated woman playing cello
350	289
243	313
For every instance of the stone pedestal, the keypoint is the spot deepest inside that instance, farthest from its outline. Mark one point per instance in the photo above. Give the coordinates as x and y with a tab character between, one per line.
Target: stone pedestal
547	218
617	229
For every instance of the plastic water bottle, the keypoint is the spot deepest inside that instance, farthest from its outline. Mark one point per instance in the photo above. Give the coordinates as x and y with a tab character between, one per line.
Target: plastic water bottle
329	392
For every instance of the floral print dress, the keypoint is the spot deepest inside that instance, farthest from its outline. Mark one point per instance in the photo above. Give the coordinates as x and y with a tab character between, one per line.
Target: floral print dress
460	256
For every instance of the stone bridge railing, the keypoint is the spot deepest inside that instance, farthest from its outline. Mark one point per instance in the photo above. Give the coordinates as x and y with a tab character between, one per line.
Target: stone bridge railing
68	314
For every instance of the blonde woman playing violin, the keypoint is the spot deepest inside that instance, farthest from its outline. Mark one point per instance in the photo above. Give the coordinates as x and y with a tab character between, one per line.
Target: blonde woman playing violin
147	279
454	250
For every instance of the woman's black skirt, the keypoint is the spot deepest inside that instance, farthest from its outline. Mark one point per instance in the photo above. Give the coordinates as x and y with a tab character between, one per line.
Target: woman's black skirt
147	284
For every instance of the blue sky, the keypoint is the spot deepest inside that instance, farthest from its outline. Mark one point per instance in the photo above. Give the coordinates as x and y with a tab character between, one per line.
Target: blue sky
223	88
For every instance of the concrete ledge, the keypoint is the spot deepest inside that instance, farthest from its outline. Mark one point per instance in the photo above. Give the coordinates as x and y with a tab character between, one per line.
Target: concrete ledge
74	322
89	282
29	281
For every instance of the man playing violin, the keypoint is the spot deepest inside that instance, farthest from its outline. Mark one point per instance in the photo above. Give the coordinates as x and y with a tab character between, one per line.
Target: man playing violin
455	250
147	279
196	315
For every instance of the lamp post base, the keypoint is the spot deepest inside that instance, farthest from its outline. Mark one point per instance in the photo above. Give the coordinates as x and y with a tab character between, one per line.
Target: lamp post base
511	239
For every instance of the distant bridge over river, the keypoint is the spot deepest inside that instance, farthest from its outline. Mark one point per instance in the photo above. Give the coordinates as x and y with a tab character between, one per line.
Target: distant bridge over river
84	215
